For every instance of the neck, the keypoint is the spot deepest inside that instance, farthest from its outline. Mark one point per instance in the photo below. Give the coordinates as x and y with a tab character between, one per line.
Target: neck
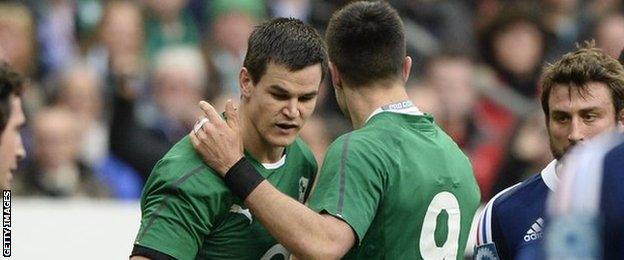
364	100
254	144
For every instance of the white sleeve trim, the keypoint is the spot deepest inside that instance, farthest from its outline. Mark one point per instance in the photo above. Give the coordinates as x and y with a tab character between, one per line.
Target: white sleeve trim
485	220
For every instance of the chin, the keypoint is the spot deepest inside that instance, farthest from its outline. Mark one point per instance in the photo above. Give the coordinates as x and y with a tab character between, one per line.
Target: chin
281	141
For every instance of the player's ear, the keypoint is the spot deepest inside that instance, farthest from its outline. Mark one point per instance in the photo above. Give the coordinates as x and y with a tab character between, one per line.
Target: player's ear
407	67
335	76
245	82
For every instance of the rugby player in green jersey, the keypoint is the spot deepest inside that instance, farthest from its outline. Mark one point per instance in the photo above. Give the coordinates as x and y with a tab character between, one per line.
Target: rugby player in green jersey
187	210
397	187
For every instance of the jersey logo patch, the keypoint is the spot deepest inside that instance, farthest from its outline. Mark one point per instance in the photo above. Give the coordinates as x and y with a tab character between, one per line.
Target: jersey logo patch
238	209
486	252
535	232
303	186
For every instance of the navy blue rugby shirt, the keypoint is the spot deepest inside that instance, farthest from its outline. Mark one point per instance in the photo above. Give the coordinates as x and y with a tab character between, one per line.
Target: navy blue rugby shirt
511	225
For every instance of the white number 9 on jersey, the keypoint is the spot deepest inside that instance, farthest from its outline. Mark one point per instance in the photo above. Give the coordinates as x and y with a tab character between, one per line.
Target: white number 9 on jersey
276	252
428	248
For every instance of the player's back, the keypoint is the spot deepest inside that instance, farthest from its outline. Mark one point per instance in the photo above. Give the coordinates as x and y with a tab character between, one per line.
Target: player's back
429	193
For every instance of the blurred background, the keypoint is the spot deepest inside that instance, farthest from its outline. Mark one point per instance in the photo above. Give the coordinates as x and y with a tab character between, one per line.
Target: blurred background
112	85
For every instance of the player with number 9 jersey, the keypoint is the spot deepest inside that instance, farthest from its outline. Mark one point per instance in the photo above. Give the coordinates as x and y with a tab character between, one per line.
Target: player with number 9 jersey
403	186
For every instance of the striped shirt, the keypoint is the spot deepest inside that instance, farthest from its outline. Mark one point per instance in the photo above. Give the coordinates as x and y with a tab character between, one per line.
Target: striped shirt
511	224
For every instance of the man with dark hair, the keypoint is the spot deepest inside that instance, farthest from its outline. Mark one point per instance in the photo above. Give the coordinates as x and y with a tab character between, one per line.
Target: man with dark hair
11	121
582	96
187	211
397	187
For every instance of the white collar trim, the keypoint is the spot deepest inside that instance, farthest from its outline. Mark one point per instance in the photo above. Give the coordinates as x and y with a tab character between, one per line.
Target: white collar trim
549	175
408	111
275	165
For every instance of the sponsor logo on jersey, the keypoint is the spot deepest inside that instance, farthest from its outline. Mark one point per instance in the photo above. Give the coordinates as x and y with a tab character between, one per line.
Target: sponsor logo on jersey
535	232
238	209
303	187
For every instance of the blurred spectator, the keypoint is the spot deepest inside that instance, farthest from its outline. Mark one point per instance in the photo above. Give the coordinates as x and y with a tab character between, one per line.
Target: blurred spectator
17	38
18	47
433	26
563	20
116	51
232	23
427	99
609	34
80	93
477	124
57	170
514	45
299	9
451	77
88	15
56	32
179	80
528	152
168	23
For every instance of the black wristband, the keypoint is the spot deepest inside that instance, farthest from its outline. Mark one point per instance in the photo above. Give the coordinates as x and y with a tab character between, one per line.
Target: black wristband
242	178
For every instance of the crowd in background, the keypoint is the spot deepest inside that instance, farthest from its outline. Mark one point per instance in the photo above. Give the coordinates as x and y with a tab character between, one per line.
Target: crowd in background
112	85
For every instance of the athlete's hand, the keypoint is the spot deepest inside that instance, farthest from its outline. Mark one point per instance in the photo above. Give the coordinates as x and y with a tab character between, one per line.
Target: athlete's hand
218	142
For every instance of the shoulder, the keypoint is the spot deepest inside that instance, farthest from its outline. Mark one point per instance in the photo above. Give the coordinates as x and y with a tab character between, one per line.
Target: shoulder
350	146
526	190
508	202
181	170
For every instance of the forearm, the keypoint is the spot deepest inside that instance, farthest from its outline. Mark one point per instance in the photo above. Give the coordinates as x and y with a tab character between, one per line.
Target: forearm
307	234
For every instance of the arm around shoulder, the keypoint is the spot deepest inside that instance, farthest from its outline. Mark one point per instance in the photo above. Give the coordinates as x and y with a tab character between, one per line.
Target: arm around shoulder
307	234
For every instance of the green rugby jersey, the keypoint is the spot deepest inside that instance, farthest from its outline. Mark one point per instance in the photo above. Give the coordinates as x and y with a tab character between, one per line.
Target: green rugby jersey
404	187
189	213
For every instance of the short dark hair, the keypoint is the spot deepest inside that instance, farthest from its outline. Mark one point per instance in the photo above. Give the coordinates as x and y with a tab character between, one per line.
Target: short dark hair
366	42
577	69
10	84
284	41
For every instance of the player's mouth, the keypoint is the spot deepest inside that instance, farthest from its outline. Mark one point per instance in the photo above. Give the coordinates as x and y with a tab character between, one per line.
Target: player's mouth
286	128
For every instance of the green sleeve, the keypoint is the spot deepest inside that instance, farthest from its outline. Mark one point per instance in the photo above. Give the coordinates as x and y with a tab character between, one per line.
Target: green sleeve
179	208
350	185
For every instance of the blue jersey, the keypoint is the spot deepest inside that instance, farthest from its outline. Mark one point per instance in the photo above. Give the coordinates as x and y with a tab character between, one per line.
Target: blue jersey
511	224
588	211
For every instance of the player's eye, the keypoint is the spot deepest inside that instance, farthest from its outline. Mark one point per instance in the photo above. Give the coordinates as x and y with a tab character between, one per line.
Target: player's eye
306	98
590	117
561	118
280	96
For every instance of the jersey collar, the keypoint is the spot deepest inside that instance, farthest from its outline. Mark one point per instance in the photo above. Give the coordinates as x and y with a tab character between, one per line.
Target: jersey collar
275	165
403	107
549	175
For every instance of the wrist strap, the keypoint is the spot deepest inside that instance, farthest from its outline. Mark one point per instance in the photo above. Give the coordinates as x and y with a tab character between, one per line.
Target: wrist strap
242	178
